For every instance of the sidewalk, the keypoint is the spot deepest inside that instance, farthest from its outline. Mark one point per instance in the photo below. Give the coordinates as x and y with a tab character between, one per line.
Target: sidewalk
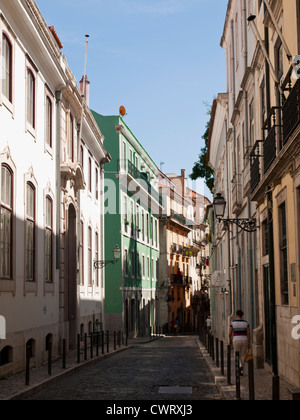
262	380
14	388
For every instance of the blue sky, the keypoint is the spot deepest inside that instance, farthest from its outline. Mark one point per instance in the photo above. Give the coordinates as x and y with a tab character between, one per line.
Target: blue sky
161	59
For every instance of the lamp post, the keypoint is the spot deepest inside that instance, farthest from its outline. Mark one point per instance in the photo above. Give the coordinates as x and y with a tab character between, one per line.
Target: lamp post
103	263
248	225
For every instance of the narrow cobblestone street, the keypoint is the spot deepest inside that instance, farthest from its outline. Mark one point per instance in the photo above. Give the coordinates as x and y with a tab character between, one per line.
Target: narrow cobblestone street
139	374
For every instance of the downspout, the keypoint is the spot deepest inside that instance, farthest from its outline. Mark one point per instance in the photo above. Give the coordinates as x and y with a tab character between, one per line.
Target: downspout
235	162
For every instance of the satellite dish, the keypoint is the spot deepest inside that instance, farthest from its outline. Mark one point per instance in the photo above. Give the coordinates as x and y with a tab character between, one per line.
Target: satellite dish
122	111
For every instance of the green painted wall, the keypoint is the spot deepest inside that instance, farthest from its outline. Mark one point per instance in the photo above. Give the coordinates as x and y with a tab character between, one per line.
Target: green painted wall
114	223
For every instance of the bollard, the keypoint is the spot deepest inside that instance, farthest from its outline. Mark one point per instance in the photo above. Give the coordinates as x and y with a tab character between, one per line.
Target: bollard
126	343
50	358
251	380
27	372
92	345
238	375
229	364
85	346
107	341
213	348
97	343
64	358
275	388
102	341
222	357
115	340
217	353
78	348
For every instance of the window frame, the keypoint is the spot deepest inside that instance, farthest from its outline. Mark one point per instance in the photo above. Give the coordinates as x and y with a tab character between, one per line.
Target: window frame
10	208
9	97
30	220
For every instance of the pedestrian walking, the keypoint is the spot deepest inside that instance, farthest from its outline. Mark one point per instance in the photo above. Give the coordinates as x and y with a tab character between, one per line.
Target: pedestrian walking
176	326
239	336
208	324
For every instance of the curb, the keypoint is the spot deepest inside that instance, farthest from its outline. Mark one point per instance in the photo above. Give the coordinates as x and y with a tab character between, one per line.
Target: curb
227	392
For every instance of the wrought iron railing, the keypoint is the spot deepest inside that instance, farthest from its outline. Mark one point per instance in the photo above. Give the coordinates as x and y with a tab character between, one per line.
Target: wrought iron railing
291	112
273	140
255	165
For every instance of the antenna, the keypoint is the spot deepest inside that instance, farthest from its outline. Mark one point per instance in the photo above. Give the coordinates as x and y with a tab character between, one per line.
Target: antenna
84	82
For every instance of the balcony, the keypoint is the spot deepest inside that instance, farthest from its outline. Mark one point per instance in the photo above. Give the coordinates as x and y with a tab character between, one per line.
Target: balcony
291	112
272	142
255	165
141	178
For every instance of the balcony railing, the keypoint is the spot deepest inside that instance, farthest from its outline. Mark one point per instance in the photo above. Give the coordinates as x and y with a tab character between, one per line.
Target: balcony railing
255	165
272	142
126	165
291	112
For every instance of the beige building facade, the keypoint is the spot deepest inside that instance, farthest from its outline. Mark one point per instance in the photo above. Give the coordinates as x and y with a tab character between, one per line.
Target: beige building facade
259	158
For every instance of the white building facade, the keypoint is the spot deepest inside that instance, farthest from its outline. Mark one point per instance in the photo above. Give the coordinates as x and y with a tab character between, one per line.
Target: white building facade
50	193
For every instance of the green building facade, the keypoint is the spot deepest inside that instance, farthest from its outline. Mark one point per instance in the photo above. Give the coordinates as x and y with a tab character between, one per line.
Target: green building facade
131	202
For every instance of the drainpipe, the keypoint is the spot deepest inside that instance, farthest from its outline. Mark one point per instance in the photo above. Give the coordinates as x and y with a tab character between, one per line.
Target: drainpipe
272	281
58	96
235	162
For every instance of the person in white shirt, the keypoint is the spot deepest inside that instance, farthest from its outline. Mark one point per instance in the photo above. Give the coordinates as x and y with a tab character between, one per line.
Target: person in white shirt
239	336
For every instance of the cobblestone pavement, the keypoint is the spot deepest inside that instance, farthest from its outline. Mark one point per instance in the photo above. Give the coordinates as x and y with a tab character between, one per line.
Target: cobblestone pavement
138	374
262	381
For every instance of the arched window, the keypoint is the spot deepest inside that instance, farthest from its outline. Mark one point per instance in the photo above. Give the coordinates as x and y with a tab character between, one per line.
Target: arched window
30	232
6	213
6	68
49	241
6	355
30	98
48	122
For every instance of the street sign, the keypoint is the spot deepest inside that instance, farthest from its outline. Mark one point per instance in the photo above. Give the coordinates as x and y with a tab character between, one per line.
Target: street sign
217	279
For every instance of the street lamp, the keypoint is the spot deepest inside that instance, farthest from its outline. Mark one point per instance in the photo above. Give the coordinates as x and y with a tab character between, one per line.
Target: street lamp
248	225
102	263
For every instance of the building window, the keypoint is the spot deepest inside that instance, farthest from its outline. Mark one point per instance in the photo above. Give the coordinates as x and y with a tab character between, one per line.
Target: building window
252	124
97	256
90	175
96	183
49	240
71	140
143	266
6	222
90	257
283	255
125	213
132	263
48	122
30	233
6	68
30	98
6	355
126	262
81	256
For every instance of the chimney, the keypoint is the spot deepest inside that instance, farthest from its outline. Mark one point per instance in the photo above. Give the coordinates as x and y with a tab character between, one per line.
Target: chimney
86	93
183	181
